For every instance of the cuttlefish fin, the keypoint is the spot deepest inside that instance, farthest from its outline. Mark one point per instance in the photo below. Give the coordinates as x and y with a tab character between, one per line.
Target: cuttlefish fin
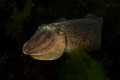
60	20
98	19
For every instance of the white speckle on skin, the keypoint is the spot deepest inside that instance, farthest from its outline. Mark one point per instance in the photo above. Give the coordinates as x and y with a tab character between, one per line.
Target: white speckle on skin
48	28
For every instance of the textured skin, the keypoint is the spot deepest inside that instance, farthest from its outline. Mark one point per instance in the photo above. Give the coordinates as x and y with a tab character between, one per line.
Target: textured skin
50	41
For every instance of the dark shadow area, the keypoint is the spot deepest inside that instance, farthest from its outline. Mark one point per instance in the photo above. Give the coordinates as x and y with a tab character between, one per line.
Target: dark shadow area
19	19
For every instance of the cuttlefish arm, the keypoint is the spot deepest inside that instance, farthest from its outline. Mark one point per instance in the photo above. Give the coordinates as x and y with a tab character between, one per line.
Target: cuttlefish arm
46	44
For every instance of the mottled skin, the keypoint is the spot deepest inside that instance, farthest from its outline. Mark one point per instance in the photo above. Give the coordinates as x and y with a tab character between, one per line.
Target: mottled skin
50	41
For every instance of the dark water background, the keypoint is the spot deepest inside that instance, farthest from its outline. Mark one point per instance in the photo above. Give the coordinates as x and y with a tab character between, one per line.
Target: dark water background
19	20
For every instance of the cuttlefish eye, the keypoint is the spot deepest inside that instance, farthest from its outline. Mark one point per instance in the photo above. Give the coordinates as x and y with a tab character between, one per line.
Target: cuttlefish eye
46	45
61	33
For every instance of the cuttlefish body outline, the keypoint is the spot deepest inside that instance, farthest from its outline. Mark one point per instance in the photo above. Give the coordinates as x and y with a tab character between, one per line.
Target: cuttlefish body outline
52	40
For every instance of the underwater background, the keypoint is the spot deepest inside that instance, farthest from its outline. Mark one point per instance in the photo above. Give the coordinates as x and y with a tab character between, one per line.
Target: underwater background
19	19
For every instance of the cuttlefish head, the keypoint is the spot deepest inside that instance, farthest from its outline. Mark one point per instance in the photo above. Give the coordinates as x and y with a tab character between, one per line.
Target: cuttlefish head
48	43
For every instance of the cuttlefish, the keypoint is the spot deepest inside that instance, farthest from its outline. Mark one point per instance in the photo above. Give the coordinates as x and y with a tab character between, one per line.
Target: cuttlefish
51	40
